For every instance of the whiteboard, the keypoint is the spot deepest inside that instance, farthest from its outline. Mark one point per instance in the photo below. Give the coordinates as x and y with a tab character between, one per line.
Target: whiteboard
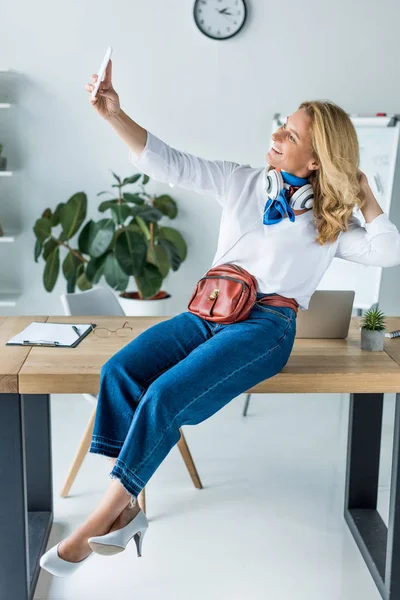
378	139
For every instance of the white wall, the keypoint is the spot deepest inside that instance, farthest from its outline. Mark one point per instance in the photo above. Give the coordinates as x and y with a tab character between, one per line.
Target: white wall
215	99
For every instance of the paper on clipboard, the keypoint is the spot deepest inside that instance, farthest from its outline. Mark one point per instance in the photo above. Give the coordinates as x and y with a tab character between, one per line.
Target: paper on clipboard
57	334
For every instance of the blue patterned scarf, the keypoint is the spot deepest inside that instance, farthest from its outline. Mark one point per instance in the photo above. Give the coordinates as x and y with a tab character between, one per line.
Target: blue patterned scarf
275	210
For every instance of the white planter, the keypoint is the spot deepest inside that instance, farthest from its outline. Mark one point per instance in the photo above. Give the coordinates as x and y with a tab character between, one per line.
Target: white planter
134	307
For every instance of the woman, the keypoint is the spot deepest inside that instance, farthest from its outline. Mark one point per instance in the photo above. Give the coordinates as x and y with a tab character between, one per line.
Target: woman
184	369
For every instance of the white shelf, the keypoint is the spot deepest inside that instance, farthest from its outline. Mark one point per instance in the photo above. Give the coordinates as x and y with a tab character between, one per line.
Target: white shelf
9	299
7	238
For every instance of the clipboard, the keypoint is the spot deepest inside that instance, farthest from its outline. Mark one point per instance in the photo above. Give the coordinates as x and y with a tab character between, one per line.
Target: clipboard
54	335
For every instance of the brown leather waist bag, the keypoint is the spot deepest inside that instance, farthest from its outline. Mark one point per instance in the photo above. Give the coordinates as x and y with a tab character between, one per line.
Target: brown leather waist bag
227	293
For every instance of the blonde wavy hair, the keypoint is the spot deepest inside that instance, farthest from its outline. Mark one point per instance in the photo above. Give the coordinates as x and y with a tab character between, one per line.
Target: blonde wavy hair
335	184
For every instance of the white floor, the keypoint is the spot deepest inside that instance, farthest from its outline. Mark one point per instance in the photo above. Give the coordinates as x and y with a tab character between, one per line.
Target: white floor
268	523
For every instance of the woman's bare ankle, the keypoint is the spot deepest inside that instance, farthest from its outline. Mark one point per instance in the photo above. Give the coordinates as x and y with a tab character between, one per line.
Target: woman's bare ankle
127	515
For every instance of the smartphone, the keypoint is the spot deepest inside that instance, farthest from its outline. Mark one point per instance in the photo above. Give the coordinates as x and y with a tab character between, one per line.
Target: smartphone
102	70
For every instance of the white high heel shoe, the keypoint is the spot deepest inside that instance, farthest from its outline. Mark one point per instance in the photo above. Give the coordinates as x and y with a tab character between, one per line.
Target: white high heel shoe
116	541
54	564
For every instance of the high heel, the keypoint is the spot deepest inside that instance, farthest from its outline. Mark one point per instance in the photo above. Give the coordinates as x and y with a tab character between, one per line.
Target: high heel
116	541
54	564
138	537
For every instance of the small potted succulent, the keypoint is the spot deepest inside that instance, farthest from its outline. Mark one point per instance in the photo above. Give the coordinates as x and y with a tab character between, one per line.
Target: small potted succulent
3	160
373	330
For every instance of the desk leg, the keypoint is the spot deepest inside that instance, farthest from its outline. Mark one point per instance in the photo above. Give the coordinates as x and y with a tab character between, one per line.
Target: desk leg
39	477
379	545
26	512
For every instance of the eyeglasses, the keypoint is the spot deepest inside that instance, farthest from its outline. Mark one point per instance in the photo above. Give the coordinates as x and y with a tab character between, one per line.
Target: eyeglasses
121	331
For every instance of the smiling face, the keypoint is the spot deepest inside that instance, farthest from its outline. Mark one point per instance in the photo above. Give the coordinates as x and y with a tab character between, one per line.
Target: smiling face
291	150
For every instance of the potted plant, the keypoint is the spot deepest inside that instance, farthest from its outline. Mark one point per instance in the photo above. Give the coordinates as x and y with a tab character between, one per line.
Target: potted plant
3	160
130	242
373	330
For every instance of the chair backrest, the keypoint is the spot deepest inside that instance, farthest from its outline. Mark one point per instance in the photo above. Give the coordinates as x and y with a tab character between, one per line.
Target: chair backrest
99	301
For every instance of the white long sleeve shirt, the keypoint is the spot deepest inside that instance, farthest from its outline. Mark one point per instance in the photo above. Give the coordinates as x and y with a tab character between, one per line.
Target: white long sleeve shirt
284	257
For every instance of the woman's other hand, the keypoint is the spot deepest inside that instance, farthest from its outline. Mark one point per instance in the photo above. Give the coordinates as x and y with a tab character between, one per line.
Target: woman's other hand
369	207
106	102
363	180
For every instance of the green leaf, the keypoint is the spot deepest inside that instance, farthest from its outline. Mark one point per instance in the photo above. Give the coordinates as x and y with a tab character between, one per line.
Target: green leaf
130	251
114	275
73	213
149	281
70	264
133	226
38	249
83	283
85	236
132	179
71	282
46	214
95	268
145	180
159	257
374	320
135	198
148	213
120	213
55	217
42	229
107	204
116	177
100	193
51	270
101	236
143	227
173	236
151	256
156	230
166	205
172	253
49	246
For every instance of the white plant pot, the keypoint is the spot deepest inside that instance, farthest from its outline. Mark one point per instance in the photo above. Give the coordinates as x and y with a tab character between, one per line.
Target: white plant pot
134	307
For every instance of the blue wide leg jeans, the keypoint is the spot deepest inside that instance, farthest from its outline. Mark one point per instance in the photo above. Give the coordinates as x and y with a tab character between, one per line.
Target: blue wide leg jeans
180	372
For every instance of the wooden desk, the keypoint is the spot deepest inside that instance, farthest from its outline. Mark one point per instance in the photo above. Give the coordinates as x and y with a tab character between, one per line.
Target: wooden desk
28	375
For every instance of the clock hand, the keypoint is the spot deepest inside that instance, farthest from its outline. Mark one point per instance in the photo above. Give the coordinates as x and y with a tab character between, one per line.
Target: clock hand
223	11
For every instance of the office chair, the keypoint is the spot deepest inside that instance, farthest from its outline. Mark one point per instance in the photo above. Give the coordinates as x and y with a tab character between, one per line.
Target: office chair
101	301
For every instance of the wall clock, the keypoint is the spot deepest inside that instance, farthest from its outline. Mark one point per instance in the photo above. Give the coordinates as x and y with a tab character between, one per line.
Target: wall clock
220	19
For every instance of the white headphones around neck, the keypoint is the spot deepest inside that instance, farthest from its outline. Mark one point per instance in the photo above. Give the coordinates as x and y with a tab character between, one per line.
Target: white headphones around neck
301	199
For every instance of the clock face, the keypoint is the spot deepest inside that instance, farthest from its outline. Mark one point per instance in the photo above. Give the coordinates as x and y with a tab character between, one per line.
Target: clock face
219	19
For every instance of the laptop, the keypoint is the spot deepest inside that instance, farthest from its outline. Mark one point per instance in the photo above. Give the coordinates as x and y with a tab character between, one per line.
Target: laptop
328	315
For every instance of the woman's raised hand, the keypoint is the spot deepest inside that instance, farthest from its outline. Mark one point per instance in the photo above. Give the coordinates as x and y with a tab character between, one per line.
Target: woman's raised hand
106	102
362	179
